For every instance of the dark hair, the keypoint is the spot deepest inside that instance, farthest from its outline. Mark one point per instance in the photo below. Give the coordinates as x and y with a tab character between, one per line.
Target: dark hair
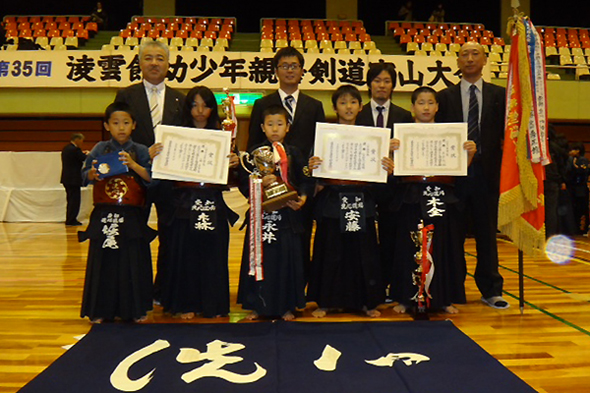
275	110
423	89
213	122
578	146
377	68
288	51
118	107
76	135
344	90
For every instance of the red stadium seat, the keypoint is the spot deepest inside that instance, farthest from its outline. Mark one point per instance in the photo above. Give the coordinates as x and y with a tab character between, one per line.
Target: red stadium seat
399	31
499	41
25	33
10	19
22	19
64	26
136	33
172	26
432	39
392	26
459	40
68	33
53	33
167	34
39	33
211	34
196	34
412	31
182	34
364	37
177	20
336	37
74	19
419	39
126	33
92	26
192	21
485	41
404	39
445	39
24	26
47	19
350	37
418	25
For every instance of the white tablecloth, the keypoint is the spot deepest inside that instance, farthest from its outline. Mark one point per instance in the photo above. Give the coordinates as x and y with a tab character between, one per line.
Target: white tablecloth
30	188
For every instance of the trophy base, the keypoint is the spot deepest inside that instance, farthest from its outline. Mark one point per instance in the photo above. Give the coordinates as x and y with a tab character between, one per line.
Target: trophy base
278	202
420	313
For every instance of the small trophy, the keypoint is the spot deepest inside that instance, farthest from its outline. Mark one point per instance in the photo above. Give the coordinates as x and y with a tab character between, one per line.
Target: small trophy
276	194
229	108
422	276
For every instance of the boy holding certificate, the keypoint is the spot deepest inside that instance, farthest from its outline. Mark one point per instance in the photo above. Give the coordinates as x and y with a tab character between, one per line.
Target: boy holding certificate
346	270
271	275
118	281
431	203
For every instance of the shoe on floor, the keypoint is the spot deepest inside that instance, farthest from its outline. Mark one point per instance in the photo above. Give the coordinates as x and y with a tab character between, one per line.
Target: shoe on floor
497	302
73	224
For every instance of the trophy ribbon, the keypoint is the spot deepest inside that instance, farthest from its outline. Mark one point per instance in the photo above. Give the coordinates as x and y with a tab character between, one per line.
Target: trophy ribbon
255	241
283	163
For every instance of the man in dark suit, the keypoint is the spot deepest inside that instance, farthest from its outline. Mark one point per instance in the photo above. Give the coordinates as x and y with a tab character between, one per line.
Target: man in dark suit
381	112
72	158
154	103
304	111
482	105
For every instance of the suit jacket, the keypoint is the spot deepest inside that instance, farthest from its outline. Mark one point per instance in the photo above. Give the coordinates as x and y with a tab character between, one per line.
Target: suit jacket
72	159
301	134
396	115
136	97
450	110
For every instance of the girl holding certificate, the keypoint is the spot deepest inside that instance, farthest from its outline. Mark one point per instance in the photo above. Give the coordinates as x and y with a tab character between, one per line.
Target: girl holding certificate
197	277
431	203
346	270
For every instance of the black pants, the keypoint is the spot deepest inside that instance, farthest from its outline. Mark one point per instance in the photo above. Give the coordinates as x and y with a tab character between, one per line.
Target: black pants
73	198
481	205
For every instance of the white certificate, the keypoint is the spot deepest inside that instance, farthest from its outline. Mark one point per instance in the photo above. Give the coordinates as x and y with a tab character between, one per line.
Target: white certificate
429	149
351	152
192	154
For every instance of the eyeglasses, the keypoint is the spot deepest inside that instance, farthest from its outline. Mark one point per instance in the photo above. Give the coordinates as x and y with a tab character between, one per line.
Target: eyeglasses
293	66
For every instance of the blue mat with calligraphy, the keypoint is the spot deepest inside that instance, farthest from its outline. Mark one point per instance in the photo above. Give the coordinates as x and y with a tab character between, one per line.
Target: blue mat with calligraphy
285	357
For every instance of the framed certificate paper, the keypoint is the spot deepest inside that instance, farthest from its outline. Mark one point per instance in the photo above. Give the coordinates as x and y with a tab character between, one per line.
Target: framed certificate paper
430	149
192	154
351	152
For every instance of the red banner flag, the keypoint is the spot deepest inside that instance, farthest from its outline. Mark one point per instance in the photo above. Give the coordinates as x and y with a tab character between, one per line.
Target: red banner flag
521	214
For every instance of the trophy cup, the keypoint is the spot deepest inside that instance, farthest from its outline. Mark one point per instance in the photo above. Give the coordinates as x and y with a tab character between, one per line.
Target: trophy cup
422	276
276	194
229	123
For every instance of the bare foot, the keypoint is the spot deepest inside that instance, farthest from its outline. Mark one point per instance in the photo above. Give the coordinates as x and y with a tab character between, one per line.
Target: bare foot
400	308
187	315
96	320
252	316
288	316
140	320
374	313
451	309
319	312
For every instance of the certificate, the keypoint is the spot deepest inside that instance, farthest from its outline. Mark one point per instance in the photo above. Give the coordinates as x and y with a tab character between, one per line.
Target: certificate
192	154
430	149
351	152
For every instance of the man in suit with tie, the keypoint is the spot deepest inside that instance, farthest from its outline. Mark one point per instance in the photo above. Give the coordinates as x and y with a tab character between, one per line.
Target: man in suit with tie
482	106
72	158
154	103
304	112
381	112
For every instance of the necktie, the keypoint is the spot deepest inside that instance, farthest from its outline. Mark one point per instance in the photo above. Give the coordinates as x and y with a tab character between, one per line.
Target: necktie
473	118
289	106
155	109
380	122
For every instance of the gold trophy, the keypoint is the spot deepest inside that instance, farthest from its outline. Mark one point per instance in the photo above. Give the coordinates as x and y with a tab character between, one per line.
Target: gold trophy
277	194
228	124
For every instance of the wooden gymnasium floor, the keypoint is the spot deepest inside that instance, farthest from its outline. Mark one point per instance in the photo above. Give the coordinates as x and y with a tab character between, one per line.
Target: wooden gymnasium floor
42	272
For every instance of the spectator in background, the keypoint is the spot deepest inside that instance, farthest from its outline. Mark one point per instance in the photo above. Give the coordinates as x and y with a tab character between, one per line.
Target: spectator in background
100	16
554	182
438	15
72	158
577	184
405	12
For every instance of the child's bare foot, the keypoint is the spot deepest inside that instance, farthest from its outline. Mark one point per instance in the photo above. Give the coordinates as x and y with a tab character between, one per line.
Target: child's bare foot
96	320
319	312
451	309
252	316
288	316
187	315
374	313
400	308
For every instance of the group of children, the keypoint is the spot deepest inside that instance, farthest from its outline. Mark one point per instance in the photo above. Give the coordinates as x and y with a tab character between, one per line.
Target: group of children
347	270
